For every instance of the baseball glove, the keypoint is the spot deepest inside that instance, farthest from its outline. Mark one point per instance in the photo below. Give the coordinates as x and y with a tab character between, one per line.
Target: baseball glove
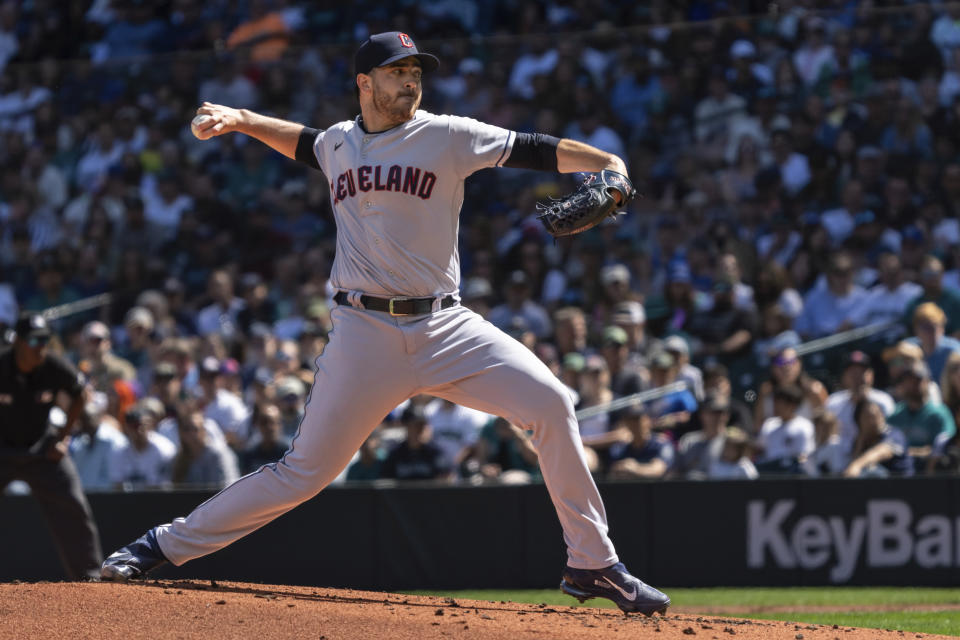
588	206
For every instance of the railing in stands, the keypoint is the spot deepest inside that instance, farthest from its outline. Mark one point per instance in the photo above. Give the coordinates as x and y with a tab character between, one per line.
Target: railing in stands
744	377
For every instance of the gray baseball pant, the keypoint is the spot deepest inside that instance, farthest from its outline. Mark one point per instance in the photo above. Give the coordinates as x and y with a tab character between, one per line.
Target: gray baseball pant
374	362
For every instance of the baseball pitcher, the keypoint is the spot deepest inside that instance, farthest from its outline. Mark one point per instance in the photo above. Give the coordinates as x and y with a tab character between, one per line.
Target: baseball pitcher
396	176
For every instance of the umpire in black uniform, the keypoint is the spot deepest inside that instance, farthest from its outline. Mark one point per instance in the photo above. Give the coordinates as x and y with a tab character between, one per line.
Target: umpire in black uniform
34	451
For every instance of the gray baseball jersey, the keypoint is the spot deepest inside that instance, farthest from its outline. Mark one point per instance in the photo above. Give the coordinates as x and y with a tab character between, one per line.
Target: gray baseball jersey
396	197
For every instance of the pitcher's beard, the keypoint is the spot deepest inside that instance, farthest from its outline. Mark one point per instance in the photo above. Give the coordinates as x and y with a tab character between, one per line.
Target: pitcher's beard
395	110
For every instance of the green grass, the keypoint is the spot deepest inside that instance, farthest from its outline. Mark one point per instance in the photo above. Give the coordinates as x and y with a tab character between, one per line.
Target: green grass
940	622
814	596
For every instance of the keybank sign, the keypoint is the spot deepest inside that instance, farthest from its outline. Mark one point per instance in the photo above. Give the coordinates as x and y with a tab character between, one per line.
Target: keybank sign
886	535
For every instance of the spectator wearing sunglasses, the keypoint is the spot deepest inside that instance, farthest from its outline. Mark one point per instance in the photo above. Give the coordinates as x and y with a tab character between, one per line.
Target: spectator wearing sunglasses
923	422
103	366
899	359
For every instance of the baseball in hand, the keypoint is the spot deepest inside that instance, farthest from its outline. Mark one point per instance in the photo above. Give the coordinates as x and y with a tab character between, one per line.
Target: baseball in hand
196	122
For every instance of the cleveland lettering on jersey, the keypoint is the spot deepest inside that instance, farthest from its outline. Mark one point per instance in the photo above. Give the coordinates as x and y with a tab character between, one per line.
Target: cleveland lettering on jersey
411	252
410	180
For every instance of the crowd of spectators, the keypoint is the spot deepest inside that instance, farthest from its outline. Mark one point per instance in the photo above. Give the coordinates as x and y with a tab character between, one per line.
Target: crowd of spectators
800	172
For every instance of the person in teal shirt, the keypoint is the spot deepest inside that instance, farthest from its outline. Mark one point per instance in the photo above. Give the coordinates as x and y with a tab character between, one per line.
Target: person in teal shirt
368	464
920	420
504	448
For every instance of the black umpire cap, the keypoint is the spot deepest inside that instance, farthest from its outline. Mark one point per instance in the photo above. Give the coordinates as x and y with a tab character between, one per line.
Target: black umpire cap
384	48
32	325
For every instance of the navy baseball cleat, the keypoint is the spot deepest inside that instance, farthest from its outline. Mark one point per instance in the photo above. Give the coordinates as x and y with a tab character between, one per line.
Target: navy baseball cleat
134	560
614	583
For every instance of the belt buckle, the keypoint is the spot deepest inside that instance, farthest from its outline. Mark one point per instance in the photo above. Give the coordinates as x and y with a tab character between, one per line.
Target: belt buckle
390	305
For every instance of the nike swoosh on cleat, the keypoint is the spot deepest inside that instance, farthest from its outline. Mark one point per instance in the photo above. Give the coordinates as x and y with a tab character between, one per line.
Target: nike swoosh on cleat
631	596
338	145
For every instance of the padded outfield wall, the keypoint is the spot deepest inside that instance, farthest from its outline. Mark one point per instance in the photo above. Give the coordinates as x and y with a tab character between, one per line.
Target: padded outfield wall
773	532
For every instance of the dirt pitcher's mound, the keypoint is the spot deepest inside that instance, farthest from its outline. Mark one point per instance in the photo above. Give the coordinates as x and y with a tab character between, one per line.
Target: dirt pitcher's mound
208	610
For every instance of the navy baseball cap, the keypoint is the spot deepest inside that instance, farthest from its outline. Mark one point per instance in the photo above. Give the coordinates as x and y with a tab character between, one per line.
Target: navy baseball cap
384	48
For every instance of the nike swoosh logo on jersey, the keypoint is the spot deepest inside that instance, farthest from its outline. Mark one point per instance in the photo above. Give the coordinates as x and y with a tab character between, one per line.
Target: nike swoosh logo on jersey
632	595
338	145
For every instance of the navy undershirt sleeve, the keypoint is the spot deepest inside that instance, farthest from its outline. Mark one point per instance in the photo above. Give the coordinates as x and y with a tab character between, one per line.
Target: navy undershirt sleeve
533	151
304	151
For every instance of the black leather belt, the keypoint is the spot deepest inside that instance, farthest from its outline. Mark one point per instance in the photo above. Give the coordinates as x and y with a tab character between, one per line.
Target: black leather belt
400	306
